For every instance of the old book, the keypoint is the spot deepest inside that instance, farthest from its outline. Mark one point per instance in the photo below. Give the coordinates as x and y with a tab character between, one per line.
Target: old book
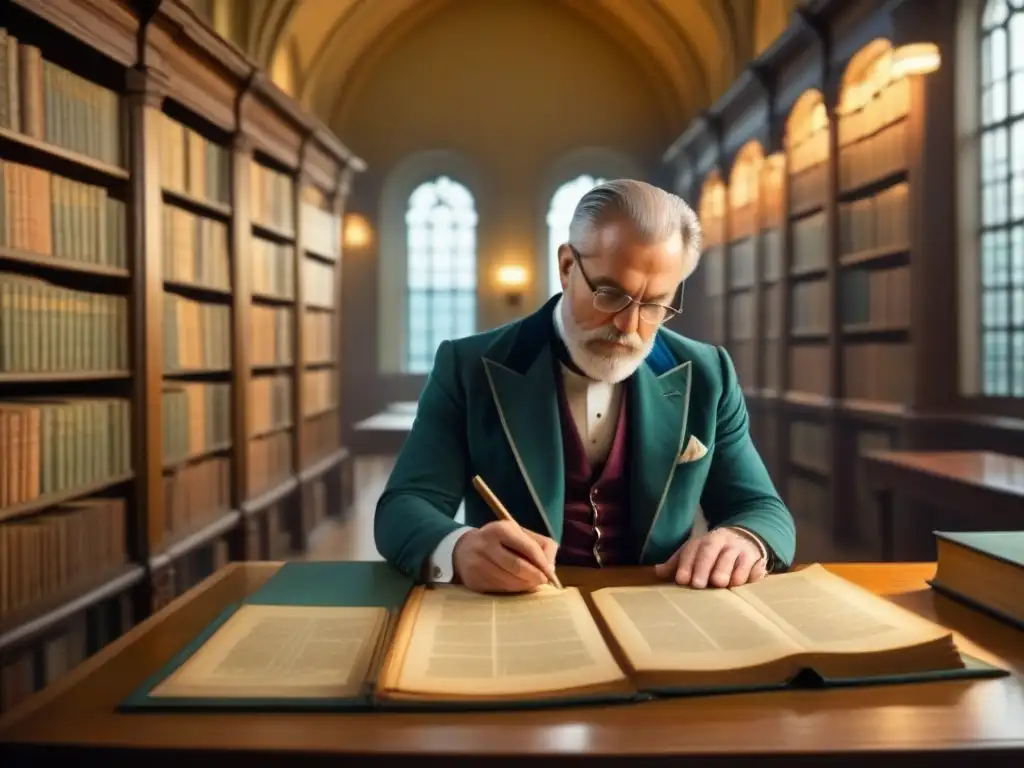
448	647
983	569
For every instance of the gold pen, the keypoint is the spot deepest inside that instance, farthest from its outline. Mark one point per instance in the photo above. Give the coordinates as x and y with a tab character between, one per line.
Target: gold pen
503	514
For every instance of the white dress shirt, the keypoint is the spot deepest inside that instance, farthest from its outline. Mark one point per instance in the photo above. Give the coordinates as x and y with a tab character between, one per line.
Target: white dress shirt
595	410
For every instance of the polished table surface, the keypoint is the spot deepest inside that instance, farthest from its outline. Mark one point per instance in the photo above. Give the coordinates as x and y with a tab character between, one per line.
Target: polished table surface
982	490
982	469
941	721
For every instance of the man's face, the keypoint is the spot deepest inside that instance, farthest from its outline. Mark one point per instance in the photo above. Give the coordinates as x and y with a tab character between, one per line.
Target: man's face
611	345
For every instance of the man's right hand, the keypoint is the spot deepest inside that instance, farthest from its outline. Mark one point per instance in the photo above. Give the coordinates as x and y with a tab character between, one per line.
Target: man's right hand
502	557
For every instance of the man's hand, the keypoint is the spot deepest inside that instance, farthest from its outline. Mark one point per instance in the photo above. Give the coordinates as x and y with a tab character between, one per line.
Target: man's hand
719	558
502	557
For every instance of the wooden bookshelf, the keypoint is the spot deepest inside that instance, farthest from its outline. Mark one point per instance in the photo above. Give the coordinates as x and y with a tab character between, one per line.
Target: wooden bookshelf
713	219
810	171
743	289
168	364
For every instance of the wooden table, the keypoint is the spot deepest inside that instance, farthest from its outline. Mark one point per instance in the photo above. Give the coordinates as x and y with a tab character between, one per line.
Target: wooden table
974	482
945	723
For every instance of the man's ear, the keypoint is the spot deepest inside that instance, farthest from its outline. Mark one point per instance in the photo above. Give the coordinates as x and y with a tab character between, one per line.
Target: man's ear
565	260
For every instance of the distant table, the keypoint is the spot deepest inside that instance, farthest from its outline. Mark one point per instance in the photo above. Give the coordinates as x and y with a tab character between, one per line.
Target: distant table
940	723
384	431
967	481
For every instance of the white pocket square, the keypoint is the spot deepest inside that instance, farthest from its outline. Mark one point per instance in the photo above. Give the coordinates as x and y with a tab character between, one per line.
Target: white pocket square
695	449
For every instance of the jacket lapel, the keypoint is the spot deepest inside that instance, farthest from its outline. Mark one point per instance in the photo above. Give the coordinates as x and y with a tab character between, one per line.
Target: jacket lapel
528	411
660	407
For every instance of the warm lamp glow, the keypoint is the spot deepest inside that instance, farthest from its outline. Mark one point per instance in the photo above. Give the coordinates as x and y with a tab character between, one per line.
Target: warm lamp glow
357	232
511	276
915	59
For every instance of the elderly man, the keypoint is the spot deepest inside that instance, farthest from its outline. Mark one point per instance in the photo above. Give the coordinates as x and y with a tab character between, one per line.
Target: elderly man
600	430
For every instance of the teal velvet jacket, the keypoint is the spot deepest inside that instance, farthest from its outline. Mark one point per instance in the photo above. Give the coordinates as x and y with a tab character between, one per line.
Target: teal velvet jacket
490	407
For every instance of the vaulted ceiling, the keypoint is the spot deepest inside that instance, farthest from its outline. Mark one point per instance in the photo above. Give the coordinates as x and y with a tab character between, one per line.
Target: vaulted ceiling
318	49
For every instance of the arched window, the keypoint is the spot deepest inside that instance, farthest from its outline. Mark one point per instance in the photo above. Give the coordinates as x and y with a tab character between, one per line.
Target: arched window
1002	199
441	275
563	203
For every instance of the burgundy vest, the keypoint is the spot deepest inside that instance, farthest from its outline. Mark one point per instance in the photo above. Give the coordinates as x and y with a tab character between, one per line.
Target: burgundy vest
595	531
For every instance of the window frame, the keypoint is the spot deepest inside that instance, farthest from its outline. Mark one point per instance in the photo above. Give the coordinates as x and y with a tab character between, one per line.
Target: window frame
416	360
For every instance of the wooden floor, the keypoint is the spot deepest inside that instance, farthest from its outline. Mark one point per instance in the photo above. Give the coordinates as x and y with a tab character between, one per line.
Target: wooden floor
351	538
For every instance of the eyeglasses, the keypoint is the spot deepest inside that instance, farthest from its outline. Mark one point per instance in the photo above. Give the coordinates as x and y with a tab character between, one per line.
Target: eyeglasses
611	301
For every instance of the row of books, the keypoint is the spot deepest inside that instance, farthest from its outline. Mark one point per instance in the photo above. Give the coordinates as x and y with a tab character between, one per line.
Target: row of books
273	268
270	462
743	263
742	323
197	335
713	264
771	254
47	214
875	298
318	335
318	284
70	544
195	249
196	418
320	437
888	105
810	307
810	243
877	371
770	324
744	221
880	221
195	495
770	362
270	337
52	445
44	101
192	164
321	231
875	157
271	198
808	189
319	391
46	328
270	403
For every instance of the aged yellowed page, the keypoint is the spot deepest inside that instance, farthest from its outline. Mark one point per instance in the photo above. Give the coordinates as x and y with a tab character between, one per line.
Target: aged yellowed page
466	643
673	628
282	651
824	612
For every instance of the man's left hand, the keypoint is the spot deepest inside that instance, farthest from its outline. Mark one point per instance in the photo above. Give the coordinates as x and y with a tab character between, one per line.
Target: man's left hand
719	558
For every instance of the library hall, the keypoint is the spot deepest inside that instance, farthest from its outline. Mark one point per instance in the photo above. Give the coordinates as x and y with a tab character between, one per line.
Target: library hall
511	382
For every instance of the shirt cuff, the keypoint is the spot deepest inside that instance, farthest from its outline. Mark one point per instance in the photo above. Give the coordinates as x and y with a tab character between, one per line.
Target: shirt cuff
753	537
441	568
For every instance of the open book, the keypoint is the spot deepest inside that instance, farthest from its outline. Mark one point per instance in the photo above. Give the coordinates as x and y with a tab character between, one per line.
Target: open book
451	645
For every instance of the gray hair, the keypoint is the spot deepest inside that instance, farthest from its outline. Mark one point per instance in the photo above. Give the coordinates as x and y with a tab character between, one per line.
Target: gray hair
656	214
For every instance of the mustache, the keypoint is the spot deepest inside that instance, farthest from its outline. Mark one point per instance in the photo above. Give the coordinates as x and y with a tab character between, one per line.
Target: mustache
611	333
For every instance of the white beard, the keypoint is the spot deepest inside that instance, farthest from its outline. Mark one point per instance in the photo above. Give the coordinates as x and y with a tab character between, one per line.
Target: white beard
611	368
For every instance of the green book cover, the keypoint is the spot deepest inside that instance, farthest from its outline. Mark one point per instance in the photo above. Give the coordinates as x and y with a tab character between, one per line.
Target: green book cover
1005	547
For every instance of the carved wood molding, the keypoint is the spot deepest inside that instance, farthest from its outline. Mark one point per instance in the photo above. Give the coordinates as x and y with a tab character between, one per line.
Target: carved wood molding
109	26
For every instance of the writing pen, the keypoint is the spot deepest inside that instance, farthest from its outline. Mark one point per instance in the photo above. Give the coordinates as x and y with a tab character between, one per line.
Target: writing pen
503	514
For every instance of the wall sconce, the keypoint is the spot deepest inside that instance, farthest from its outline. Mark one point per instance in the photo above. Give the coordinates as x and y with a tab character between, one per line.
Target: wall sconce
356	231
512	278
915	59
